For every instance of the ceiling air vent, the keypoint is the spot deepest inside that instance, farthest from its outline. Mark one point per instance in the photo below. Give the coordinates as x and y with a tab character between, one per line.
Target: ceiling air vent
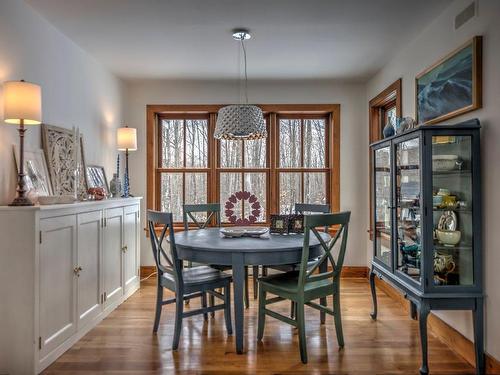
465	15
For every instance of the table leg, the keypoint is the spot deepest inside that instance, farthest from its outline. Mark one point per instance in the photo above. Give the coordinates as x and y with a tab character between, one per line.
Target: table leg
238	285
323	267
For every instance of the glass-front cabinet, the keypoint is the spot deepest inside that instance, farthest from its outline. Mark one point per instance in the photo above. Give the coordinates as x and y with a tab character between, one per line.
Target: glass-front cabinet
426	208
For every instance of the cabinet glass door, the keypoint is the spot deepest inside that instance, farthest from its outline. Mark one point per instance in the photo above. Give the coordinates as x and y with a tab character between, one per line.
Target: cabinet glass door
383	199
408	215
452	210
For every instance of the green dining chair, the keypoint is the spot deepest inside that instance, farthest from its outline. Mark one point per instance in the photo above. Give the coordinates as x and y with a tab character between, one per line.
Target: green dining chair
306	284
212	211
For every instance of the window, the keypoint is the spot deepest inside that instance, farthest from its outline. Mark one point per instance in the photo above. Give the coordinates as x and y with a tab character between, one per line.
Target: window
183	162
297	162
302	168
385	107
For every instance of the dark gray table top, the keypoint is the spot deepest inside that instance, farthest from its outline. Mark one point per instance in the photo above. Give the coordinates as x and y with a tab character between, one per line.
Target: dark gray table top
211	239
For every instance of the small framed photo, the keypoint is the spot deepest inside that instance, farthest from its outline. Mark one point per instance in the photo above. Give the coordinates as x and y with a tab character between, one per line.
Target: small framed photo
96	178
279	224
296	224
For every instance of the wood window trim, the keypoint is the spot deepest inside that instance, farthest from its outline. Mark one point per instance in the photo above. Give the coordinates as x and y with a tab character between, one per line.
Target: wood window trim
154	112
390	96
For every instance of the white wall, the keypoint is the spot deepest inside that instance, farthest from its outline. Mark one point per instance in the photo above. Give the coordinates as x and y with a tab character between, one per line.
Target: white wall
436	40
77	91
354	134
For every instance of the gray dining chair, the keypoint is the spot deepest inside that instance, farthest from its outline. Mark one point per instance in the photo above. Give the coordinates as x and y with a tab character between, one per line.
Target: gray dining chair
304	285
186	283
212	211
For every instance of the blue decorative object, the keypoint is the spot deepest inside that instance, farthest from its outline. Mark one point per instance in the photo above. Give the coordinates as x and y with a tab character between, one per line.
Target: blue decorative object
388	130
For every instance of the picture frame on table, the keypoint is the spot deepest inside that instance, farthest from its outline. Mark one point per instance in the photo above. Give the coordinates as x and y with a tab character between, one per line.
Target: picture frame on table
37	174
96	178
279	224
296	223
452	86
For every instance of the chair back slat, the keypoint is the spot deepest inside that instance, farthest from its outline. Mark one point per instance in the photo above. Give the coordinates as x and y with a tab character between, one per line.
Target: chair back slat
211	209
308	208
307	273
166	261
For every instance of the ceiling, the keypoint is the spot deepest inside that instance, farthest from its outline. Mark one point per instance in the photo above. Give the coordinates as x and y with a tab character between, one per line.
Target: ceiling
191	39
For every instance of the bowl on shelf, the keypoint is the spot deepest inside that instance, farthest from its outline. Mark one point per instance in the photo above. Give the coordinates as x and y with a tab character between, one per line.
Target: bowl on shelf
448	237
437	200
444	163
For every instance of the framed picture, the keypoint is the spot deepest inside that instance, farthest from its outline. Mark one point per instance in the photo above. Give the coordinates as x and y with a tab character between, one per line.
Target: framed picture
59	146
452	86
279	224
96	178
296	224
37	175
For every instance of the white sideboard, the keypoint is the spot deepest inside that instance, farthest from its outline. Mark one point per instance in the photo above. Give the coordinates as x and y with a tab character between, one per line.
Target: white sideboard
63	268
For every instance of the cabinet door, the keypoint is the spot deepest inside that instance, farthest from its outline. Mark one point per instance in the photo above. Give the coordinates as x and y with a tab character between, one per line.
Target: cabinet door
131	246
57	281
89	275
408	208
383	205
112	256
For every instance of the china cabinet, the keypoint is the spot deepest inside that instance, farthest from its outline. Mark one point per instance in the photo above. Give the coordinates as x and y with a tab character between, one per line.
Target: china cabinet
427	222
64	268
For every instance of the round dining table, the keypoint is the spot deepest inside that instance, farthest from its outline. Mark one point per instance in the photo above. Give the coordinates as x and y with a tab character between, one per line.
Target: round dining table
209	246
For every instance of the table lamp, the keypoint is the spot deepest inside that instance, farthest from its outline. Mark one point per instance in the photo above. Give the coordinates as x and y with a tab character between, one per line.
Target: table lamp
126	140
22	106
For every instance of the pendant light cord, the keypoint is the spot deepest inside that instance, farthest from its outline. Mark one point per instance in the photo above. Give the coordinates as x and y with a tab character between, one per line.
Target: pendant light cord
245	62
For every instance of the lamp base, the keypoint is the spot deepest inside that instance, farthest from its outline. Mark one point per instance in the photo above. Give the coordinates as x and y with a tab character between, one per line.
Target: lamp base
21	201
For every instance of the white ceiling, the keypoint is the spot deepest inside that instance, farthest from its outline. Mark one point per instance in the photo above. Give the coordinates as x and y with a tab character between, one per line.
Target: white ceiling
191	39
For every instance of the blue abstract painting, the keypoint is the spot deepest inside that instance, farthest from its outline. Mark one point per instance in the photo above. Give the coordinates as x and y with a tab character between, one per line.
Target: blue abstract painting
446	88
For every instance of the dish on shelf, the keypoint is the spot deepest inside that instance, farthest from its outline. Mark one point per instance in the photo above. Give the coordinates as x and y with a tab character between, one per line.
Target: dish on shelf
444	263
448	237
233	232
444	163
437	200
447	221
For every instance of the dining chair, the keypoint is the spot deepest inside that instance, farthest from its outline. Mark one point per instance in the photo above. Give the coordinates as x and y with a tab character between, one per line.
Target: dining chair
299	208
212	210
186	283
305	285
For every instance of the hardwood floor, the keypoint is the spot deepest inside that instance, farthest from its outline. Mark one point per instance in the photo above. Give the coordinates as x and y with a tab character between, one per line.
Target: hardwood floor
123	343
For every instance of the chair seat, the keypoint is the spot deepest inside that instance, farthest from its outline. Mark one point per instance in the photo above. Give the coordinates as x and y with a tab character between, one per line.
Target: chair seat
199	275
287	283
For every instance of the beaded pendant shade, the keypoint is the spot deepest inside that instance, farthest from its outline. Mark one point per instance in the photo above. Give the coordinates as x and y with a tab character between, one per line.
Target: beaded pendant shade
241	121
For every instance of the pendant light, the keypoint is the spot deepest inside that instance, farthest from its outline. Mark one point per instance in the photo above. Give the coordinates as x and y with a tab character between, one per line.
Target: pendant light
241	121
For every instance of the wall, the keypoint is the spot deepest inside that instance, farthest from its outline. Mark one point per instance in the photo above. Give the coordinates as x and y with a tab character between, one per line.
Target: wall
354	134
76	90
436	40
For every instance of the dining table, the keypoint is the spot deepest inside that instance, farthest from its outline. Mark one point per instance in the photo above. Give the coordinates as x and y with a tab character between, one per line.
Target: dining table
210	246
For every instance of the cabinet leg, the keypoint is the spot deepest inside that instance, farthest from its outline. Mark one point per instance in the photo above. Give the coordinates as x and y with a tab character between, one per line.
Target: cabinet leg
413	310
478	319
374	295
424	312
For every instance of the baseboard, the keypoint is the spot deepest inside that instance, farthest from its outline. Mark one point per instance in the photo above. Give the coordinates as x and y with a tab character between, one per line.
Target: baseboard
347	271
457	342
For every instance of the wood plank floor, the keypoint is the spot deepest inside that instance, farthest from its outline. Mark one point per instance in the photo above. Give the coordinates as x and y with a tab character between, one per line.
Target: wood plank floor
123	342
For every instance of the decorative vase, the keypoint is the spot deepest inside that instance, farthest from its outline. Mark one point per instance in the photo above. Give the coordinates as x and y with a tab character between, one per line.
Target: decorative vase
388	130
115	186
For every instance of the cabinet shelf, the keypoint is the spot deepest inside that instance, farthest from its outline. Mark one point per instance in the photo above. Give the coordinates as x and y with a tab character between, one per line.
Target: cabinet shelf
463	172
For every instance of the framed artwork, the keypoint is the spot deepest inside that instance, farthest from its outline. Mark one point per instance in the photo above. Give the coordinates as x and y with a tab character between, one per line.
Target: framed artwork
96	178
452	86
296	224
37	175
59	147
279	224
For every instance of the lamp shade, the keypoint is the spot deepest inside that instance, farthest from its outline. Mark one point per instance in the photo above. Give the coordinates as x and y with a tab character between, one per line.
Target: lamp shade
126	139
22	101
241	121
